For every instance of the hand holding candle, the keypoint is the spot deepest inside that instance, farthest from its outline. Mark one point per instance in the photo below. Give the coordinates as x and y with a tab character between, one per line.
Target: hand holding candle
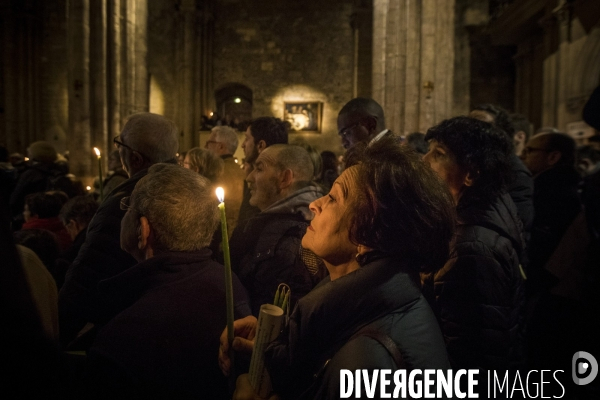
228	284
97	151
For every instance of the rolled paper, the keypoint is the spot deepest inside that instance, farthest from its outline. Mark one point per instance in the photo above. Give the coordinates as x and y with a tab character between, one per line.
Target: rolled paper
270	320
97	151
228	283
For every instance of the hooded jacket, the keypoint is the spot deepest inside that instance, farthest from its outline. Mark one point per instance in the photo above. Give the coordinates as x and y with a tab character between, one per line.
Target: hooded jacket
478	295
383	295
266	250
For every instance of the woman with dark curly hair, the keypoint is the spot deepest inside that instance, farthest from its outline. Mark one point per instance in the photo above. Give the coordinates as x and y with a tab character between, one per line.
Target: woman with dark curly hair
478	294
386	219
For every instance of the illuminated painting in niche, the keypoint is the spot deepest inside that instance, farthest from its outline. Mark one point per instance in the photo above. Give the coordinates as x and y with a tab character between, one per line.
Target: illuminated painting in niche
303	116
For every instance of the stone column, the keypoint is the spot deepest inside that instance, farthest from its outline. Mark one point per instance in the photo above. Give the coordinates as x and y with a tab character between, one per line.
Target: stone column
78	41
185	73
98	77
142	84
413	77
113	73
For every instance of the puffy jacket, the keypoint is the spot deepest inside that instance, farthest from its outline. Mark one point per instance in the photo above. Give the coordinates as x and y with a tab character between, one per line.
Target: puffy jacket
478	295
266	250
99	258
163	341
521	193
381	295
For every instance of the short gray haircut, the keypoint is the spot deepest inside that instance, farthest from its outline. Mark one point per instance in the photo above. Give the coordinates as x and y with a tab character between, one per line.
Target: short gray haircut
227	136
296	159
152	135
180	206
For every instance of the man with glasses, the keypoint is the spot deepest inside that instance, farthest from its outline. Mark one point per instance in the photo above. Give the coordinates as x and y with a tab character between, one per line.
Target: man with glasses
223	141
146	139
551	159
361	120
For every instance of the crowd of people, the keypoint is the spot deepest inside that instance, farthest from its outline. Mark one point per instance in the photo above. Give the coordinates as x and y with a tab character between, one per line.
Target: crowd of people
471	246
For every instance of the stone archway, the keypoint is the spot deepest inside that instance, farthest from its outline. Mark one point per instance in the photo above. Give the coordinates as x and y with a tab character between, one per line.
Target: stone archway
234	102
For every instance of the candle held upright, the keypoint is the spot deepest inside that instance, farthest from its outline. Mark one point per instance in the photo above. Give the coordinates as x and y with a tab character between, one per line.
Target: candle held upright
228	283
97	151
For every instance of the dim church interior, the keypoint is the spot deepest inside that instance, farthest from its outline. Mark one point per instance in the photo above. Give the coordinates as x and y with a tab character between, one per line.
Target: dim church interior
72	71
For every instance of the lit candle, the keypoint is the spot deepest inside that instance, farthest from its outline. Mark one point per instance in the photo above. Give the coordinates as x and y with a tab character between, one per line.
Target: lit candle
228	285
100	173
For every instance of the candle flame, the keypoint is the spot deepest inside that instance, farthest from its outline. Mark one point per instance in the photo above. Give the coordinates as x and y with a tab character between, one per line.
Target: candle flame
88	187
97	151
220	194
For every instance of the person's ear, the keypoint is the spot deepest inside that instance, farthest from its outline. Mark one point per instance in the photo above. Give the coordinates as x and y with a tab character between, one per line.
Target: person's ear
554	157
371	124
261	145
286	178
143	233
362	249
469	180
520	137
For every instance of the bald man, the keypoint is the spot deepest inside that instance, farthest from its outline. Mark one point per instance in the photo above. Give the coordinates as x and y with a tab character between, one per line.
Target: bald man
266	251
146	139
361	120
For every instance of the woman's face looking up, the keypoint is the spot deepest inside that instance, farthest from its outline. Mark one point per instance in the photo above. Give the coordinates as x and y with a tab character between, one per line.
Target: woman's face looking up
328	234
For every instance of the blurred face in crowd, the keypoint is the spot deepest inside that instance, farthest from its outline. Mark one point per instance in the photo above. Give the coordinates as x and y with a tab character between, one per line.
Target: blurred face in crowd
216	147
443	162
328	233
352	129
264	180
249	146
186	163
536	157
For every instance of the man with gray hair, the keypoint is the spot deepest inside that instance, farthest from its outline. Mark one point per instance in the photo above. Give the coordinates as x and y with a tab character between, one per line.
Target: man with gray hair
223	141
146	139
266	251
171	305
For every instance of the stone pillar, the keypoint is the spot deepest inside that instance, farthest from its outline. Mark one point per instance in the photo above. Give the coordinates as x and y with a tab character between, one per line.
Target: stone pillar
185	73
113	73
413	77
98	77
142	83
78	42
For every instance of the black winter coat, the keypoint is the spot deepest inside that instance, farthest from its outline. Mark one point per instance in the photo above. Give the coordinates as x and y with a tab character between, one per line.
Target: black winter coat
521	193
99	258
32	180
556	203
478	295
164	339
381	295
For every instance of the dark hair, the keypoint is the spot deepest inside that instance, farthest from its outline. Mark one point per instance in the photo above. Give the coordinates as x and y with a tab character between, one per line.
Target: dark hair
501	118
562	143
405	209
588	151
482	150
364	106
416	140
329	160
81	209
42	242
521	123
270	129
45	205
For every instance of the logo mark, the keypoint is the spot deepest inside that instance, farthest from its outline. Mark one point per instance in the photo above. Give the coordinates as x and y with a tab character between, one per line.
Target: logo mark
583	363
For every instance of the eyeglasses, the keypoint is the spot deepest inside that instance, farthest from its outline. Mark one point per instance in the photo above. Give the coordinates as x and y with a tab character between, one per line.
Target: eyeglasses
118	144
529	149
124	204
344	131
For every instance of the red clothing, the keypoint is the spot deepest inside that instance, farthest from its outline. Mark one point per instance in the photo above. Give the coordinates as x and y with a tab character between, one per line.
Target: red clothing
53	225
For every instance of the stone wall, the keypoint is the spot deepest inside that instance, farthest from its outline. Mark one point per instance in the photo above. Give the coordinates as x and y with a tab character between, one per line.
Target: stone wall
288	51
